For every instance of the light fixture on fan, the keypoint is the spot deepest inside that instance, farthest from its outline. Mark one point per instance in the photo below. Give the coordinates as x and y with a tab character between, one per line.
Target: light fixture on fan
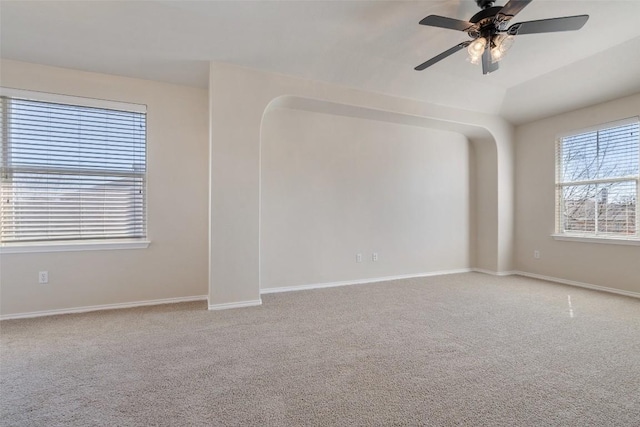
500	44
476	49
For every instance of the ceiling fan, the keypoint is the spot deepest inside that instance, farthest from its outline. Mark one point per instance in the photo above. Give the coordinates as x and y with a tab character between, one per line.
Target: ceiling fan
491	38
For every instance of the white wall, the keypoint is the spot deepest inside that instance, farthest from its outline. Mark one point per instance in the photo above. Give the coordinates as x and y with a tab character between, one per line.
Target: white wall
612	266
334	186
175	264
487	218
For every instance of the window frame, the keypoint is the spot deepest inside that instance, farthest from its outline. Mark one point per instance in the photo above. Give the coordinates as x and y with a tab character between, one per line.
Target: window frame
594	237
80	244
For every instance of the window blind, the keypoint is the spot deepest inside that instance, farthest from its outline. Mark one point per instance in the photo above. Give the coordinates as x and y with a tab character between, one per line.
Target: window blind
597	181
71	172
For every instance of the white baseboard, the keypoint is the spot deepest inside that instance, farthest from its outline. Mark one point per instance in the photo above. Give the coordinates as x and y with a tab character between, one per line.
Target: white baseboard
240	304
578	284
494	273
360	281
307	287
102	307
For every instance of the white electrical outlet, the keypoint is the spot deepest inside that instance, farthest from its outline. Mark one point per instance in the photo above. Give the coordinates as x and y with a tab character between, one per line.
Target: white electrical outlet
374	257
536	254
43	277
358	257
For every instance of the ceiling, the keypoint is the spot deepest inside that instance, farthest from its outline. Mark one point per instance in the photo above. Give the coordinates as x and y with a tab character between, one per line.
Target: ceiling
370	45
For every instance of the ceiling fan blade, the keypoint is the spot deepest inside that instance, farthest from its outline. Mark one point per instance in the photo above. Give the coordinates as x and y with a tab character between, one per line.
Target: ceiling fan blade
444	22
508	11
488	66
567	23
442	55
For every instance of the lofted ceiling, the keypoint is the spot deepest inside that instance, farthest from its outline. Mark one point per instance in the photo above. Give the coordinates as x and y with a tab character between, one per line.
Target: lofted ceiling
369	45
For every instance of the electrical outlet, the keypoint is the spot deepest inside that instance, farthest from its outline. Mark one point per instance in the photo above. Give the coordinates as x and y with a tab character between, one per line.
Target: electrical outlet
536	254
43	277
374	257
358	257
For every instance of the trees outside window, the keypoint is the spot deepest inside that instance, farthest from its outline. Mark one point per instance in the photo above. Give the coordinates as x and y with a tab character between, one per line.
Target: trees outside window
597	181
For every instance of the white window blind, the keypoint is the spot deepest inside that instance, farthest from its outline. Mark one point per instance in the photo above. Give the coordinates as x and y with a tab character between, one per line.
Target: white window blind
71	172
597	181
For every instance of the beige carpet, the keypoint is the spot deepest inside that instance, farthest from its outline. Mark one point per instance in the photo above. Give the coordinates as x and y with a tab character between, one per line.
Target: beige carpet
459	350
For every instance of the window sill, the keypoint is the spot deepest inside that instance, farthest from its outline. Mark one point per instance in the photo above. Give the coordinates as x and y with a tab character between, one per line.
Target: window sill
597	239
89	245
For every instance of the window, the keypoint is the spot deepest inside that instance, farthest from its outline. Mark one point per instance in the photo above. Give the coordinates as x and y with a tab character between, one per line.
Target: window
597	182
72	169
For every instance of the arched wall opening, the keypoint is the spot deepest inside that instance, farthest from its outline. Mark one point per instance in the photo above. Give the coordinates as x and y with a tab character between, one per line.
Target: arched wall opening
338	181
239	99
